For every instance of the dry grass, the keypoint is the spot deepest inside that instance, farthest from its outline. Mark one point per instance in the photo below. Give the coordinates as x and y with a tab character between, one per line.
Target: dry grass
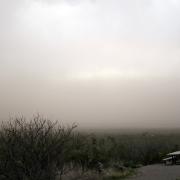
109	174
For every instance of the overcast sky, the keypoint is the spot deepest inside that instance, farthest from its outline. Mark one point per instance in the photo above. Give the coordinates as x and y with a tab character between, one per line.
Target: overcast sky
105	63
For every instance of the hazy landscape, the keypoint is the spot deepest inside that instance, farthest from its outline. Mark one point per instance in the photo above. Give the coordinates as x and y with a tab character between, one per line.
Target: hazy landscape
42	149
89	89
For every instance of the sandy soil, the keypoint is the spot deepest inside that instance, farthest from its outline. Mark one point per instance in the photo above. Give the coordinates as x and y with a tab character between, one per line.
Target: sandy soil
157	172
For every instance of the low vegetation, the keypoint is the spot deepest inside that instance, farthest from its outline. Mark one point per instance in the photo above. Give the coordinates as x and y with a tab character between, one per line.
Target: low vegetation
40	149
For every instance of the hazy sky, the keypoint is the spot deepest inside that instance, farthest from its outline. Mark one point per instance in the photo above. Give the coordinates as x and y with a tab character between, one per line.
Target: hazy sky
100	63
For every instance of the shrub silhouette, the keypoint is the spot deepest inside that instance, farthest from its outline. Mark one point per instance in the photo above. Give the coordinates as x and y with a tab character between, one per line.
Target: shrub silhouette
33	150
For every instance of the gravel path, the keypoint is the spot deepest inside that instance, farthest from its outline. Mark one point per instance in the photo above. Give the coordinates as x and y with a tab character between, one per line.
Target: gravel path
157	172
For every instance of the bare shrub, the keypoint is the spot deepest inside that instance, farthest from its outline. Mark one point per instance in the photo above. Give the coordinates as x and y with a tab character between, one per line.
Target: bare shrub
33	150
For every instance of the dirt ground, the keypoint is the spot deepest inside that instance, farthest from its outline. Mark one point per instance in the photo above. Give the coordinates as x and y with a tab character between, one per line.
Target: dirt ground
157	172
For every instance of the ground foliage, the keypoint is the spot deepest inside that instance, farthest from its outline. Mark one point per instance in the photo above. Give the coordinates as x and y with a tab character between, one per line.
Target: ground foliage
40	149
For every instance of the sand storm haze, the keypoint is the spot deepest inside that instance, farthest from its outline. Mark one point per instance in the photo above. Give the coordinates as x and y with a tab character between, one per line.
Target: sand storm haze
99	63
